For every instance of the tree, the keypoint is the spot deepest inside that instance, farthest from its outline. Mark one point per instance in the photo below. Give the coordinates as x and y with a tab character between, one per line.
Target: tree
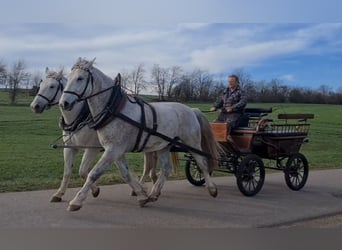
244	78
175	73
202	82
3	74
35	82
159	78
16	76
136	79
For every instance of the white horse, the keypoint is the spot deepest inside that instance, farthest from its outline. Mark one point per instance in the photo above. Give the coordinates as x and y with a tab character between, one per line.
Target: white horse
49	94
118	135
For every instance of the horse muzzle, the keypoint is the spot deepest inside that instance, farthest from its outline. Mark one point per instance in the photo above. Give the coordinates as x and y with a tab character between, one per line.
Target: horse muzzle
66	105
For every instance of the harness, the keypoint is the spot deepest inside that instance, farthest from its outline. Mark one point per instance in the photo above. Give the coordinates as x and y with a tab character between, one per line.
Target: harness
79	122
112	110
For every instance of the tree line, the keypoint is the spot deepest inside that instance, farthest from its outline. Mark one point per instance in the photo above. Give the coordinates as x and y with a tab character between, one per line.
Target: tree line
177	84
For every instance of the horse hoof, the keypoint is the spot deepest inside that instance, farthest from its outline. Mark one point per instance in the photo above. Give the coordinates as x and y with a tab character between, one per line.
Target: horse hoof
96	193
213	193
56	199
133	193
153	198
72	208
143	202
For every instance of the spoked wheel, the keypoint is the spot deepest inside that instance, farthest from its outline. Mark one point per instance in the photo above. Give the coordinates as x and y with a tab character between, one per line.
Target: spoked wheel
193	173
296	171
250	175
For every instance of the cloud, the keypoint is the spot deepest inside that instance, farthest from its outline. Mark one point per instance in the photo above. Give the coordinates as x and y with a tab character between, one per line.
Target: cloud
215	47
246	47
225	57
287	77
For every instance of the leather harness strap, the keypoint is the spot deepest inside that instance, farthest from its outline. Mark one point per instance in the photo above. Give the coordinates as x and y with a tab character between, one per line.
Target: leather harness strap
79	122
142	126
172	141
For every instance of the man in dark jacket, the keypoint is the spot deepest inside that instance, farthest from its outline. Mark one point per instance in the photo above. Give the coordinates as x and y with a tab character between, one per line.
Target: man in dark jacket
232	103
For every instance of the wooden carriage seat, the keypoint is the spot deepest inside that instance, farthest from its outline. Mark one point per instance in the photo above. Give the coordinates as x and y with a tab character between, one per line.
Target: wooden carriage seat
220	130
240	138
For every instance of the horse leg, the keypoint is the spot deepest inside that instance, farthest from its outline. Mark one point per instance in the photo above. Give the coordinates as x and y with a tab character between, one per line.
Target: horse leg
166	168
69	156
153	170
107	158
131	181
150	166
202	162
87	159
146	169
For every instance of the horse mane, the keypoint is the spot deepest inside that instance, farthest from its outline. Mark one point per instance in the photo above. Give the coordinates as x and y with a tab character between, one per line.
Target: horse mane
82	64
55	75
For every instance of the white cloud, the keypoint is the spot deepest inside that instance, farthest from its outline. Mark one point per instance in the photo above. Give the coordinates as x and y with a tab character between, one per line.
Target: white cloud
287	78
214	47
225	57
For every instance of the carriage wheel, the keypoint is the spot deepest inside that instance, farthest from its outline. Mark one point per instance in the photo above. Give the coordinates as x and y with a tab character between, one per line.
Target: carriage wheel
296	171
250	175
193	173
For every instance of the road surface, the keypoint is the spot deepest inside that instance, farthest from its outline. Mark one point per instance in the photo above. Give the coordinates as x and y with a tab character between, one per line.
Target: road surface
182	205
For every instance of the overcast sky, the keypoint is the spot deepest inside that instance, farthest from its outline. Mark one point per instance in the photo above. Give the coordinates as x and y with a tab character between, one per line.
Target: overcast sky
302	48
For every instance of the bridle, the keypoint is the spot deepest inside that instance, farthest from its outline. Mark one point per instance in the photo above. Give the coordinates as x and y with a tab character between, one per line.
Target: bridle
90	79
59	88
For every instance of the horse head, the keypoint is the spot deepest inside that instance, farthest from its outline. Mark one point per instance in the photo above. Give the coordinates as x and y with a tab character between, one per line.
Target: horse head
50	91
79	85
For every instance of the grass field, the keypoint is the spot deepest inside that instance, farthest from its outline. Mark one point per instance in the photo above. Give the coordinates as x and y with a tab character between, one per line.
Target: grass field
27	162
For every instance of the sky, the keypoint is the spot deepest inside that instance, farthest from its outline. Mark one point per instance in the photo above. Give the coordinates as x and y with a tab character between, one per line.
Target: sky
271	39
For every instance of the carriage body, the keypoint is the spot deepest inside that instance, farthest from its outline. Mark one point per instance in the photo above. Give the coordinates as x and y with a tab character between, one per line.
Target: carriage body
259	138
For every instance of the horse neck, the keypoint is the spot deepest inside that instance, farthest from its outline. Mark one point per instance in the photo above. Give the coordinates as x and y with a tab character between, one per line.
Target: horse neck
98	103
70	116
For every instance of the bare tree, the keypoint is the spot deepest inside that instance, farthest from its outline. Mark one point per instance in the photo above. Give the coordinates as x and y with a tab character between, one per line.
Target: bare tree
244	78
136	80
203	82
16	76
125	79
36	79
175	74
159	78
3	74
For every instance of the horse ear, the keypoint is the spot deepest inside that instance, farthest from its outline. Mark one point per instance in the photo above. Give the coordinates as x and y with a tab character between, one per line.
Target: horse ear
117	80
60	73
79	60
46	70
90	64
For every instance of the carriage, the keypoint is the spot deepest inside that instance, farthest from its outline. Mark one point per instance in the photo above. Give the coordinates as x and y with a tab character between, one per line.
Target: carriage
174	125
259	137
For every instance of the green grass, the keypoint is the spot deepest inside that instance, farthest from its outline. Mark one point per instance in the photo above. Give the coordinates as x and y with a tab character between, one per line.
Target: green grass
27	162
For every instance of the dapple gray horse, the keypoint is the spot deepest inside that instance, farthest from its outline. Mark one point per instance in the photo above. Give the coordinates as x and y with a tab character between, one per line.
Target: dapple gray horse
50	91
117	136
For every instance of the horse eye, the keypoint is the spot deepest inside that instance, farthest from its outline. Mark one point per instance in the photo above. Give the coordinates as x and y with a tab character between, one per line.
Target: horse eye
51	87
80	79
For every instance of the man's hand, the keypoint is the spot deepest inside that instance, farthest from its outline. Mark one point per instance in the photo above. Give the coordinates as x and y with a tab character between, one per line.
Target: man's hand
229	110
212	109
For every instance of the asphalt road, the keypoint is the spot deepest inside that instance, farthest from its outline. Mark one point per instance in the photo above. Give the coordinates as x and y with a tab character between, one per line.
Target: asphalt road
182	205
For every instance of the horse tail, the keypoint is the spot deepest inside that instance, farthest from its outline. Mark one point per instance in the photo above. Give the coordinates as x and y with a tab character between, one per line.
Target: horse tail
208	142
174	161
